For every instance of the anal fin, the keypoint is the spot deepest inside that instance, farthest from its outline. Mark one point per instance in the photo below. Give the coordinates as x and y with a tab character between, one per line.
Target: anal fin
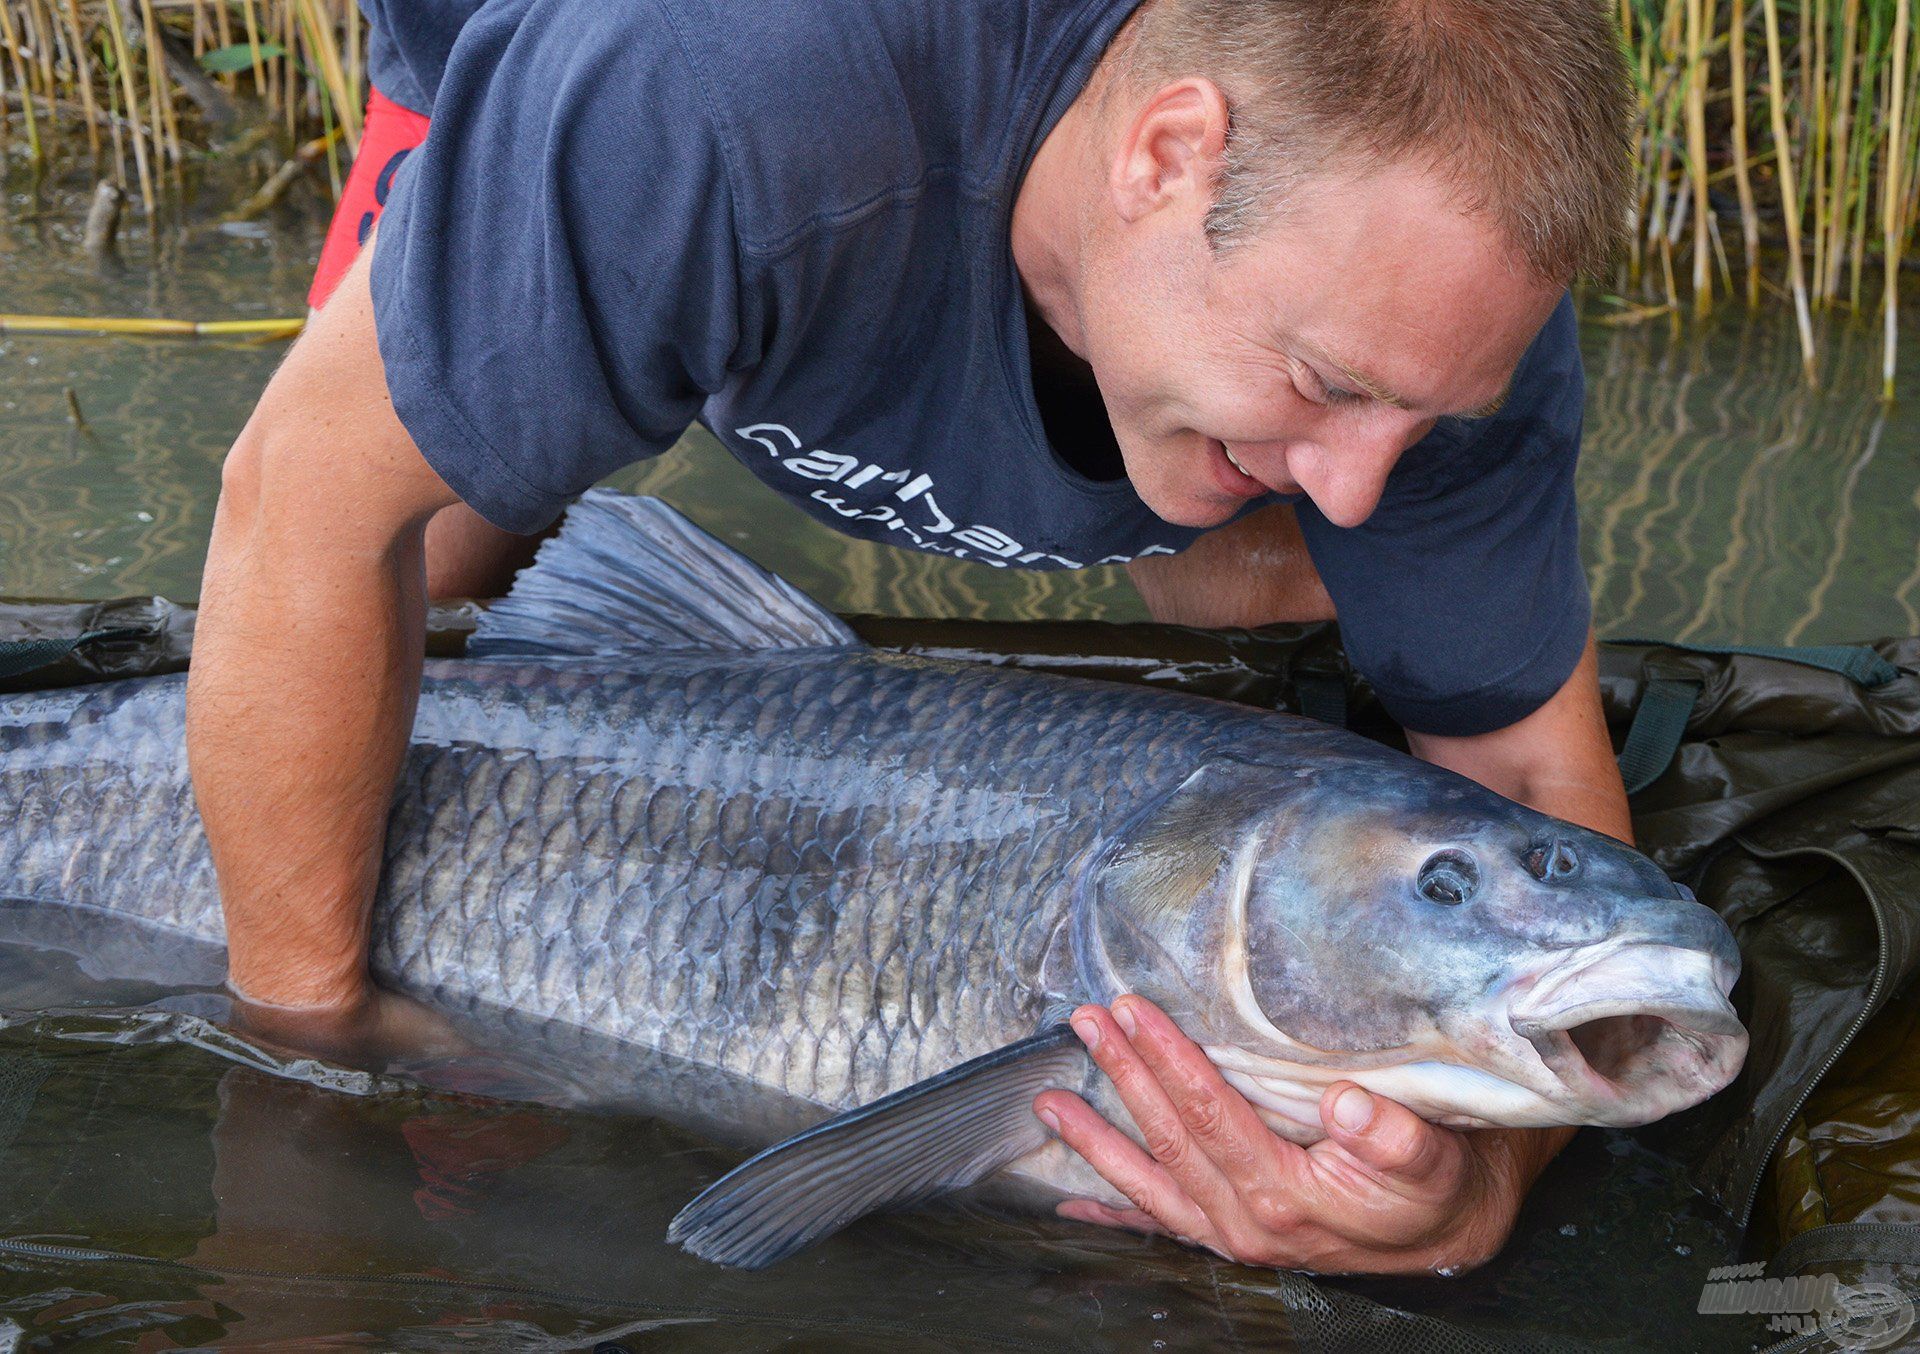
944	1133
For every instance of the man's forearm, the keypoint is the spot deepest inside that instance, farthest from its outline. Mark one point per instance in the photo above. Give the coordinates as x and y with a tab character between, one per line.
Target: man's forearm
307	657
299	704
1557	760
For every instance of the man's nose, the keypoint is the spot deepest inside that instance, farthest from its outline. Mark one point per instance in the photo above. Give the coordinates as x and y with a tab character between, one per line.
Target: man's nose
1346	476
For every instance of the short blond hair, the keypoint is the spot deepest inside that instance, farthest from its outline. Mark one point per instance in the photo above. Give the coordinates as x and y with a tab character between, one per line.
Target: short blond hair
1522	107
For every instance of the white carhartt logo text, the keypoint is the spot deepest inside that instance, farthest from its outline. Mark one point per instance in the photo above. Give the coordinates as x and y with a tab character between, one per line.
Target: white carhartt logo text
901	501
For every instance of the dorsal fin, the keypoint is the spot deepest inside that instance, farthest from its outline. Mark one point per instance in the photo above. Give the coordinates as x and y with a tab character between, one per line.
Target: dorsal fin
630	575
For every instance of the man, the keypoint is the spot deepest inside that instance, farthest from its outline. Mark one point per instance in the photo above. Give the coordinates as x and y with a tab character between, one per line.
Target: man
1039	282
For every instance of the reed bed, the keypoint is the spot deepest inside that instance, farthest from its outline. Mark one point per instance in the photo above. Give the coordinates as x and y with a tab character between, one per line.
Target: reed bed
1795	123
1792	123
144	86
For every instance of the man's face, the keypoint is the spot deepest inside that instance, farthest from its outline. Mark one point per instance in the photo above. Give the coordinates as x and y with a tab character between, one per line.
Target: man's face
1308	355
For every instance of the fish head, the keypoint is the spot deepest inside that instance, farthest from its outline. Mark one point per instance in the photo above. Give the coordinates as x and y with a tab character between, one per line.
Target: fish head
1407	929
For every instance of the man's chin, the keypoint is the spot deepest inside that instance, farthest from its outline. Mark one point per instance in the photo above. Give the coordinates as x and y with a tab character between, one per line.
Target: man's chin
1189	509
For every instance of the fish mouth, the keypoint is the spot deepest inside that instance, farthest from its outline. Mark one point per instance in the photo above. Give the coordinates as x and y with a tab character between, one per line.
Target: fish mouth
1635	1032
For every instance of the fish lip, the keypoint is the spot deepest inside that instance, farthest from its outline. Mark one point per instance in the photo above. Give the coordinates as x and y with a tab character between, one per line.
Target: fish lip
1658	1052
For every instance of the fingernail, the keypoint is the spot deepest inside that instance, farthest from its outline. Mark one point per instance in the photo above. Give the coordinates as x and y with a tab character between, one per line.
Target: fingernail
1088	1031
1123	1017
1352	1109
1050	1119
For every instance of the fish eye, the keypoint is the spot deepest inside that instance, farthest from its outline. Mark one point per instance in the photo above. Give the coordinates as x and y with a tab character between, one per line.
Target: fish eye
1449	878
1551	860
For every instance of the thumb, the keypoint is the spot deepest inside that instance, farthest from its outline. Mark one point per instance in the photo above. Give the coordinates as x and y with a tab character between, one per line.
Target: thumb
1385	1135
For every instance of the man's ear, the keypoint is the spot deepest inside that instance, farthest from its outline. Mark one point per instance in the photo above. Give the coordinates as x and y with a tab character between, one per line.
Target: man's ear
1172	148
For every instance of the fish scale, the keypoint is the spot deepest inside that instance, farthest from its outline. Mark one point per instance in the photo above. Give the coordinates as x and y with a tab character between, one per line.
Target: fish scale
831	872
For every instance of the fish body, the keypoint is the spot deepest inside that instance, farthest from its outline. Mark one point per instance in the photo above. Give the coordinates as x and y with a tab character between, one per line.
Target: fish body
839	874
834	873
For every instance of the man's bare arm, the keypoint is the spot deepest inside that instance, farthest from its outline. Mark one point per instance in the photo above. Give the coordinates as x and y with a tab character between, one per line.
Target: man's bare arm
1251	572
306	665
1557	760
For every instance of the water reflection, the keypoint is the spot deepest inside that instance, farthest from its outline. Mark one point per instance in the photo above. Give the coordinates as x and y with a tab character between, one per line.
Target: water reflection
1726	502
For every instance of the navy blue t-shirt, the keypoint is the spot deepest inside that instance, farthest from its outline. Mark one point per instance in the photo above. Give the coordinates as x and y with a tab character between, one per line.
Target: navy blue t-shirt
791	221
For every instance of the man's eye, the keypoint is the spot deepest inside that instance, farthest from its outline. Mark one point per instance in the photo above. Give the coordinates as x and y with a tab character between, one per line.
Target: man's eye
1319	390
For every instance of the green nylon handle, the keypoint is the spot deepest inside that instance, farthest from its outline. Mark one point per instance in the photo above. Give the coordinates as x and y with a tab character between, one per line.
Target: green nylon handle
1660	720
1659	723
1323	696
1855	662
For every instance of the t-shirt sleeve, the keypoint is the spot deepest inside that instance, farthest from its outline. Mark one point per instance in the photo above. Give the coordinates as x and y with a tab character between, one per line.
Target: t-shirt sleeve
555	280
1462	599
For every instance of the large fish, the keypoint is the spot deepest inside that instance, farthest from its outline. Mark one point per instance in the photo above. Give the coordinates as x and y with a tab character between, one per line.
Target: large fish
673	802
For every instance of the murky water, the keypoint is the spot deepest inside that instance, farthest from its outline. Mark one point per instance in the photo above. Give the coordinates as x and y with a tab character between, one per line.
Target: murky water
162	1178
155	1192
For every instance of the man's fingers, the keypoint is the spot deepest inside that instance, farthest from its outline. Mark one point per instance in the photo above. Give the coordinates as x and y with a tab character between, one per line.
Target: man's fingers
1121	1163
1214	1113
1166	1136
1125	1219
1389	1138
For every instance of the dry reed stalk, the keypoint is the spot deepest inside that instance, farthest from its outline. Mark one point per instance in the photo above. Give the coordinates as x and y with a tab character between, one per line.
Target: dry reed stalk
119	142
1840	160
165	121
1819	115
223	37
1789	198
1743	180
83	73
325	53
290	87
1893	198
250	16
123	62
1869	134
1699	21
39	35
153	328
356	48
10	36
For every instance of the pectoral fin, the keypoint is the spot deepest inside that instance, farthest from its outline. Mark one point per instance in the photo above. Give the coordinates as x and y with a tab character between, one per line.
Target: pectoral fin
940	1134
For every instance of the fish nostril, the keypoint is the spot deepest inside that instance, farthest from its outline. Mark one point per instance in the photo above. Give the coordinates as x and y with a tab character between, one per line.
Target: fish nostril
1448	878
1551	860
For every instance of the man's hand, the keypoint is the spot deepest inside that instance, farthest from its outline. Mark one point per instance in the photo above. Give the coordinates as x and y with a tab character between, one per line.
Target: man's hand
1384	1192
382	1031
